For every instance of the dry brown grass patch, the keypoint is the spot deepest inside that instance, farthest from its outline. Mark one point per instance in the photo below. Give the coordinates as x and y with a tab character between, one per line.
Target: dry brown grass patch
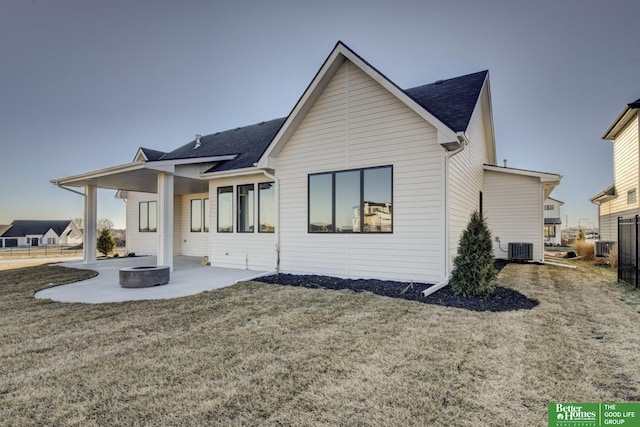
257	354
585	249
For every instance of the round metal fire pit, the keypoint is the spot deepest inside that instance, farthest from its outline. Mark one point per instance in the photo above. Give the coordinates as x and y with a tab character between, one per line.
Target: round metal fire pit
144	276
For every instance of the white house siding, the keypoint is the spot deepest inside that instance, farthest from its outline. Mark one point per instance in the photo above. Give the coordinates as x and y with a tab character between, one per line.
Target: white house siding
187	242
608	227
137	242
254	251
50	234
626	166
512	207
626	171
553	213
466	179
356	123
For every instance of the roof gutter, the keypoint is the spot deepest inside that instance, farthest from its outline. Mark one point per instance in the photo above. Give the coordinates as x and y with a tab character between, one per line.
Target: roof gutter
57	184
625	116
232	173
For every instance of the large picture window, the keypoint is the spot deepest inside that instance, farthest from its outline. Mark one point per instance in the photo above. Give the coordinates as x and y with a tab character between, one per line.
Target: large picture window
225	209
353	201
245	208
148	221
266	207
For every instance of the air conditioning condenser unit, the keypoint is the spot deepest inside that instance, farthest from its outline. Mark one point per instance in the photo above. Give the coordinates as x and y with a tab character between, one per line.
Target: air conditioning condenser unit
521	251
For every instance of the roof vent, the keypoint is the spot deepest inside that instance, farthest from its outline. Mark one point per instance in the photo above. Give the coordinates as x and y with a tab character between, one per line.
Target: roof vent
438	82
198	137
504	162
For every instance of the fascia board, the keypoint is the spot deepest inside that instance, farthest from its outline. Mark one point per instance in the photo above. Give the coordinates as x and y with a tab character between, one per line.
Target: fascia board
232	173
328	69
160	164
543	176
397	92
140	156
99	173
318	83
619	123
485	98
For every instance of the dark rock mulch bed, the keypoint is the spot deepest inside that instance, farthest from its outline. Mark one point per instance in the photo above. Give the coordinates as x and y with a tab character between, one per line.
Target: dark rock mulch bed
503	299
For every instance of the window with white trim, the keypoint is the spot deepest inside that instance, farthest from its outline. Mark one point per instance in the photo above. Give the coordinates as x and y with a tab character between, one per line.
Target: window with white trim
631	196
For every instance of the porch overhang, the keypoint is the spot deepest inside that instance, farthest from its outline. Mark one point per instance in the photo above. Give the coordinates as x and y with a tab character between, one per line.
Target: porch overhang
142	176
605	195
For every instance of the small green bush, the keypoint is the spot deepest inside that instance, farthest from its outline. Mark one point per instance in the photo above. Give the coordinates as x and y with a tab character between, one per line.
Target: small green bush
106	243
474	273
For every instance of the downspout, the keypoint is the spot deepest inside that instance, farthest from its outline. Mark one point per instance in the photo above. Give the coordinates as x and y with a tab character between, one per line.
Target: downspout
277	203
448	156
447	233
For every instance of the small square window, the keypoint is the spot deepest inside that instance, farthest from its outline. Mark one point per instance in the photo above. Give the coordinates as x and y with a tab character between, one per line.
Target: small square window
631	196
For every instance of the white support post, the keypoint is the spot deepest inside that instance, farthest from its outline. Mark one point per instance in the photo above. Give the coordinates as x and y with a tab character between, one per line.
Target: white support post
90	223
165	220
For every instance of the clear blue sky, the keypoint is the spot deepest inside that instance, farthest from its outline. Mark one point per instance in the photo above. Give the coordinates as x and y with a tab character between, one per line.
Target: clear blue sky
84	83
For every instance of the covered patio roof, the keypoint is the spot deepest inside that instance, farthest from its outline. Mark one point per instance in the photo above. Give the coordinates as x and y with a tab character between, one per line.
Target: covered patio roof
142	176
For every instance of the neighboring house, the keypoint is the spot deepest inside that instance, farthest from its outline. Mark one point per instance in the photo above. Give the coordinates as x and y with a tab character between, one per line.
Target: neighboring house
40	233
552	222
361	179
621	198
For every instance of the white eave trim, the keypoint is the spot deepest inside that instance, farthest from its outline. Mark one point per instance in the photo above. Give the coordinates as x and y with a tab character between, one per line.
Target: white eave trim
153	164
161	165
99	173
337	56
232	173
543	176
625	116
604	195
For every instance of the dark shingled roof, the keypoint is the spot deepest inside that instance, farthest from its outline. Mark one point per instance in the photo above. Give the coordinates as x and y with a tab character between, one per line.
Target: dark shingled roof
451	101
248	142
635	104
20	228
152	154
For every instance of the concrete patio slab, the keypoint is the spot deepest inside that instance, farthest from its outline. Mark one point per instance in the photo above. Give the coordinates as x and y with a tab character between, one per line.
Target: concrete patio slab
189	277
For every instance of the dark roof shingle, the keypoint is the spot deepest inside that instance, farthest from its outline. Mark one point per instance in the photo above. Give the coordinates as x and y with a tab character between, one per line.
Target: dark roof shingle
152	154
451	101
20	228
248	142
